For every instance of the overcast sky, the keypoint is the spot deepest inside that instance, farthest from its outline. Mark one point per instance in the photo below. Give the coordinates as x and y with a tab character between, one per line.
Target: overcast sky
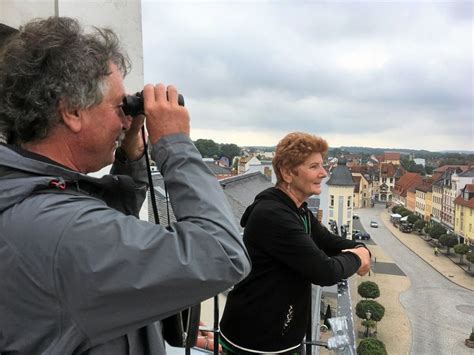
386	74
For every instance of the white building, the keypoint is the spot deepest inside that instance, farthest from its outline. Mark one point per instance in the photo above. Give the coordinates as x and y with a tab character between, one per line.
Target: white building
340	198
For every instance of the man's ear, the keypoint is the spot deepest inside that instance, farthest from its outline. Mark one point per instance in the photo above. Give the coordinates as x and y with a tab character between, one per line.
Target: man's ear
71	117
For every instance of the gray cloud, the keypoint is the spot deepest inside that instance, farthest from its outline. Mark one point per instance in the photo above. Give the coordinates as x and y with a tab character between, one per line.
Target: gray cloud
395	74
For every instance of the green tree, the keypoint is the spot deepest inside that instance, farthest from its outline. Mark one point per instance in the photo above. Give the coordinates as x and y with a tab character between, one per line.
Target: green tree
376	309
437	230
461	249
470	257
371	346
368	289
396	209
410	166
448	240
207	147
229	150
419	225
412	218
405	212
427	229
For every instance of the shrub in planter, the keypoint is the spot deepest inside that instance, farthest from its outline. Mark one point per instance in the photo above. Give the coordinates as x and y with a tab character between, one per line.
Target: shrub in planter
413	218
470	258
436	230
371	346
448	240
368	289
461	249
376	309
419	225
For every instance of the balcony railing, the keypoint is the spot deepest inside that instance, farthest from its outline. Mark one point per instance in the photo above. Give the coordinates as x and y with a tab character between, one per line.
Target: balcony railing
342	341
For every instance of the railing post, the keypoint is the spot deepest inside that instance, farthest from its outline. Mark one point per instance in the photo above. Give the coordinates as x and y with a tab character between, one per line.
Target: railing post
309	329
216	324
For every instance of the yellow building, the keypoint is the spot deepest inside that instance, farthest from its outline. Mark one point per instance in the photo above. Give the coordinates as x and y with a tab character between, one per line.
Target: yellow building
464	214
362	191
423	203
428	206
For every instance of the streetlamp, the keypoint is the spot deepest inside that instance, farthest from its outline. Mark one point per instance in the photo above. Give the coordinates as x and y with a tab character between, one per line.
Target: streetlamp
368	315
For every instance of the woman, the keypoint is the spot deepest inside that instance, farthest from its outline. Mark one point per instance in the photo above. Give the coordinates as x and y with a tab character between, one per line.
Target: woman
268	311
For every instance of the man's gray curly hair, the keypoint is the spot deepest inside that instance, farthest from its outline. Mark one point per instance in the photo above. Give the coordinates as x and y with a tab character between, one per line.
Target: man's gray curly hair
48	61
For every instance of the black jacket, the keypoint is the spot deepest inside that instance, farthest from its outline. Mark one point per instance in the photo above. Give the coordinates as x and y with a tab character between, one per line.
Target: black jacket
269	310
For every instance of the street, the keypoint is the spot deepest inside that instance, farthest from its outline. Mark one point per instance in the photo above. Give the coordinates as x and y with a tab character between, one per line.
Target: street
440	312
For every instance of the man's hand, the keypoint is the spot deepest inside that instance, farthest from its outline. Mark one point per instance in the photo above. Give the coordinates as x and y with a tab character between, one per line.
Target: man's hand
132	144
364	257
163	114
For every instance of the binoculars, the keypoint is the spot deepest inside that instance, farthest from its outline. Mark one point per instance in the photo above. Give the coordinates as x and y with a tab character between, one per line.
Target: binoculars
133	104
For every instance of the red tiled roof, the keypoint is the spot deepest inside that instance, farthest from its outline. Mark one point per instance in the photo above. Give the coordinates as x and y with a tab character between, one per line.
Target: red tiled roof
443	168
391	156
407	181
462	202
387	170
469	188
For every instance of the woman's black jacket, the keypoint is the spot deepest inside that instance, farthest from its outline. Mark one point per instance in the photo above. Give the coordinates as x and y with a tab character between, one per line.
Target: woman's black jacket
269	310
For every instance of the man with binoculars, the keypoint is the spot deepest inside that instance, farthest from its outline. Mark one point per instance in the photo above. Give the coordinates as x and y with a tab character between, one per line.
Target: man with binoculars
79	272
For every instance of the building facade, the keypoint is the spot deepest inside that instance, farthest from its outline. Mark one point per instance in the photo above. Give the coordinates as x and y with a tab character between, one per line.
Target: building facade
340	199
464	214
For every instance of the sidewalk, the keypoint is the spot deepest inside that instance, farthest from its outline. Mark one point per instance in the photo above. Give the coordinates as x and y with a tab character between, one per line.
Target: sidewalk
394	329
424	250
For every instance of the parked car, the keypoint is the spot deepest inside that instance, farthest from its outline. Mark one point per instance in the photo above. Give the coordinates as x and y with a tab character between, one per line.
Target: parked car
362	236
374	224
355	216
406	228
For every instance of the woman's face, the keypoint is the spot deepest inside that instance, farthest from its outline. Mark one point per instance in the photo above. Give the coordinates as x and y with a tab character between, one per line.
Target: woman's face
306	178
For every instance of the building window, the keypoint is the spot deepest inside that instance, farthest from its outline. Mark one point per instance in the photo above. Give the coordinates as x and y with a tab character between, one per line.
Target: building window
349	202
332	201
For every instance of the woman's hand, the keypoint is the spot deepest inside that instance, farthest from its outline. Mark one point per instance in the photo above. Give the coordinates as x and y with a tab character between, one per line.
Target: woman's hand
364	257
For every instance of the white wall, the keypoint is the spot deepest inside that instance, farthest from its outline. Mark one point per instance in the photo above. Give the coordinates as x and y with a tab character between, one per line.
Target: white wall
123	16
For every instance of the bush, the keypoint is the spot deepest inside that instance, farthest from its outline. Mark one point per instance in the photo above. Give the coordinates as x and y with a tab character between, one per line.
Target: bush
395	209
368	289
437	230
413	218
405	212
369	323
448	240
371	346
419	225
375	308
461	249
471	337
470	257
